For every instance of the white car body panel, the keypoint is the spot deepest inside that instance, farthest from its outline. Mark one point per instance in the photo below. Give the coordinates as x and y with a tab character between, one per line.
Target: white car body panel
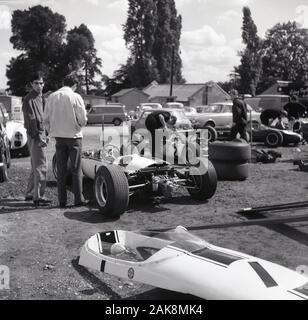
13	127
185	263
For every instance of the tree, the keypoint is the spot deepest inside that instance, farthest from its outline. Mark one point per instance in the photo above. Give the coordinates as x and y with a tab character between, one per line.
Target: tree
284	54
41	35
139	32
167	36
251	62
152	29
81	54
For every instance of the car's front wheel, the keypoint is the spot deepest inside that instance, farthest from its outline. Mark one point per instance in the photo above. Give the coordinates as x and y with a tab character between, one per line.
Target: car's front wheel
111	190
202	180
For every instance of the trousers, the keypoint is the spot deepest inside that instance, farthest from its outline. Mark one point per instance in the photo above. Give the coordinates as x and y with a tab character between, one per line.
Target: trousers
69	149
37	180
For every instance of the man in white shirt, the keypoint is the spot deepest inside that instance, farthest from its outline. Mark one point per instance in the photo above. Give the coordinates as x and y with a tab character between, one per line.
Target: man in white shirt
64	117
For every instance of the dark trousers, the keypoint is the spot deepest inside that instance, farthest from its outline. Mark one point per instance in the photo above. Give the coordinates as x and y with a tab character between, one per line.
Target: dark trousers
69	148
238	128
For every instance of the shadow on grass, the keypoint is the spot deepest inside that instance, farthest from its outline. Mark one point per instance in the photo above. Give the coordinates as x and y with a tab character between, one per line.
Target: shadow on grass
284	229
89	216
162	294
96	283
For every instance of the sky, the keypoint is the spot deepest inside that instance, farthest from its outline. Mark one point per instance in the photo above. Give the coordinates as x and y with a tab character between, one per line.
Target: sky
210	39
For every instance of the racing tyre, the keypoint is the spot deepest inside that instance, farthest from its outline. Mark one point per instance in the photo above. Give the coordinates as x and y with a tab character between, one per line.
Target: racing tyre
231	171
203	177
229	151
111	190
3	168
117	121
273	139
212	134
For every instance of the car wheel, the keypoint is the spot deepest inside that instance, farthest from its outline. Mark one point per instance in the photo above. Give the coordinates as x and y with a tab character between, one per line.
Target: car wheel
25	150
3	169
230	151
211	133
231	171
203	180
111	190
117	122
273	139
55	171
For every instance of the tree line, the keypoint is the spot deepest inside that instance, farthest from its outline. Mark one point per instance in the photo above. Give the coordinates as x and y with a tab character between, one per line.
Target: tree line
152	32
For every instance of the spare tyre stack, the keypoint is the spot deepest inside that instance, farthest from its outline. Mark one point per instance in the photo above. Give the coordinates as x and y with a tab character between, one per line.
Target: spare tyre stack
230	159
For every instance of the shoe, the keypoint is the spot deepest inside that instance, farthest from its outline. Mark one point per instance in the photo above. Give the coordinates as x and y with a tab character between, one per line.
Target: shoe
28	198
42	202
82	203
62	205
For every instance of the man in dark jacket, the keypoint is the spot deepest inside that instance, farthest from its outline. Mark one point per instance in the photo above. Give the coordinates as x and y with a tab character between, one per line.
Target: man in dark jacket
33	108
239	112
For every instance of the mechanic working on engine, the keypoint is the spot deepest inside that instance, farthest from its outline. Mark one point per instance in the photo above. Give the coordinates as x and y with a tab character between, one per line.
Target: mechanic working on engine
33	109
239	112
64	116
156	121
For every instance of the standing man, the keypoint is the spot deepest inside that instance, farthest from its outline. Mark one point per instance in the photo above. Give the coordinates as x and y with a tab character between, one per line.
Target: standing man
64	116
239	112
33	109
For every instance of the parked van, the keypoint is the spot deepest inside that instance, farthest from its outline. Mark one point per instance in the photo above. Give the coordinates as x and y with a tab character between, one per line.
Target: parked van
113	114
268	101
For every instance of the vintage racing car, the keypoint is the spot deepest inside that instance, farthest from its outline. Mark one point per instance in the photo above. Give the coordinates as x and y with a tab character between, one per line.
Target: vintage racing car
180	261
273	137
116	178
17	135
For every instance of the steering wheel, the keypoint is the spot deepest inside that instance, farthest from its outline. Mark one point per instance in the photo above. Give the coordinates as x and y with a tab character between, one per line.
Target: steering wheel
110	152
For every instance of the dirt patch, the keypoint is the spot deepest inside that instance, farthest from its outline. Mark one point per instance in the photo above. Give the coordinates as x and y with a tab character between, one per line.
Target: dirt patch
41	246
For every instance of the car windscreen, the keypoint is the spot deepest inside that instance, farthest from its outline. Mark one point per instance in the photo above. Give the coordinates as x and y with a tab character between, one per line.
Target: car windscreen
179	114
214	108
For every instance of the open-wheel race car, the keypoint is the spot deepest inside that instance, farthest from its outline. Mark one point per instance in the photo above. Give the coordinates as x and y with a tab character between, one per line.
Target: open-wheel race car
116	178
180	261
273	137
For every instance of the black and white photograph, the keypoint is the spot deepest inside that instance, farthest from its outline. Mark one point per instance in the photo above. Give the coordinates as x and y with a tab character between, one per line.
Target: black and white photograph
153	150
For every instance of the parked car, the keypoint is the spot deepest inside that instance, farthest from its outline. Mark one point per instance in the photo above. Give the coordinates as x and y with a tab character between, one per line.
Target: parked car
182	122
5	157
150	105
190	112
219	116
268	101
113	114
174	105
17	135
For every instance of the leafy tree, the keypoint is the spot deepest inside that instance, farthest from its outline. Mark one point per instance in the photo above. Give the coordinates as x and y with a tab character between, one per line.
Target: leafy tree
80	53
251	62
152	29
167	37
41	35
139	33
284	54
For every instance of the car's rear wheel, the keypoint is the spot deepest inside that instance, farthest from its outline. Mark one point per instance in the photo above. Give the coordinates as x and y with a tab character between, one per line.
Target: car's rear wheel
3	168
111	190
211	133
273	139
203	178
